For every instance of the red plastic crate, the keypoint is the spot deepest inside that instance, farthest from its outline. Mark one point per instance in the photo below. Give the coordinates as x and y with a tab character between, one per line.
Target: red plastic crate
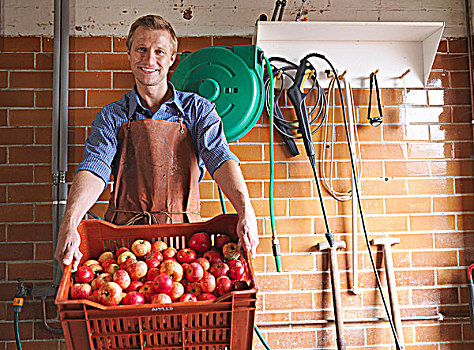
226	323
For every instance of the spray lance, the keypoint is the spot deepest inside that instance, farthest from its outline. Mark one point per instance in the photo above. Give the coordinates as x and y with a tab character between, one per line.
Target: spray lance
297	97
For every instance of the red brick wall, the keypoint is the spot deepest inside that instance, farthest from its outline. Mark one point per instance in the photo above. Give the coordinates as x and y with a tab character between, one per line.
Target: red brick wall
417	186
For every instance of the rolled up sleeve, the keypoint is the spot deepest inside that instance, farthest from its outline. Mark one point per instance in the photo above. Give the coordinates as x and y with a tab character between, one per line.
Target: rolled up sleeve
212	144
100	147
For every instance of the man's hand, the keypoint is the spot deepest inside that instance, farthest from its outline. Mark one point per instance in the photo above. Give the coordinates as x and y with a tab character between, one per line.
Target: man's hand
67	248
248	232
229	178
86	188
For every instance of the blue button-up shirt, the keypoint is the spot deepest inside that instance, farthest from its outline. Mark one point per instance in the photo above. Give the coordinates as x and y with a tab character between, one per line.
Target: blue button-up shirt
199	116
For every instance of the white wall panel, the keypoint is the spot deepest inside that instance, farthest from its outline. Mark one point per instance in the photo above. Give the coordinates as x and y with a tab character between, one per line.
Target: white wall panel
227	17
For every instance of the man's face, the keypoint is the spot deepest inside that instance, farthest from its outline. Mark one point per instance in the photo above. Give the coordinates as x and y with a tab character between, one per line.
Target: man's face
150	56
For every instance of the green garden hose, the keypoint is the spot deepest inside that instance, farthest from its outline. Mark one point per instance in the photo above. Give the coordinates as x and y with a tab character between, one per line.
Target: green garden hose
17	331
17	305
275	242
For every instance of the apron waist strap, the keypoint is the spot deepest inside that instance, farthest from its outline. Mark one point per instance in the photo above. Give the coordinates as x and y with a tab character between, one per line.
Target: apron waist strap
150	215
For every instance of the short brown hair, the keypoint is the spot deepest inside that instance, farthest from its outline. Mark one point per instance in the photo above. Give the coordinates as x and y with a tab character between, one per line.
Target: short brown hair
153	22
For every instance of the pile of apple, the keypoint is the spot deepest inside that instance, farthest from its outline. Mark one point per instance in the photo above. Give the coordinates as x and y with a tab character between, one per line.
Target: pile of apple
157	274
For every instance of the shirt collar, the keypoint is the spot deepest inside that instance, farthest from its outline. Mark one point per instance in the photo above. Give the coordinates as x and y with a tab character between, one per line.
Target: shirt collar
135	100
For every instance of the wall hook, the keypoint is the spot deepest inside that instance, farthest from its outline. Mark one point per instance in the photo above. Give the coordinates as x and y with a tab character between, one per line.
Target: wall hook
342	75
404	74
375	73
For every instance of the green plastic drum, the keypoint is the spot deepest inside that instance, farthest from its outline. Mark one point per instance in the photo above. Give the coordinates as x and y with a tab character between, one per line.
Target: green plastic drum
231	77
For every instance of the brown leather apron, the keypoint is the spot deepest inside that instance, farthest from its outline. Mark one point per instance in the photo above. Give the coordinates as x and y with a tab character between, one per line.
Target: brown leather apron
157	175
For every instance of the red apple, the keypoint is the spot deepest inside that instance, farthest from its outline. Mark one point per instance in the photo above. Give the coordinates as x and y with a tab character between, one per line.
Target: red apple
232	263
140	247
169	253
208	283
94	296
112	268
110	294
213	256
81	290
104	256
107	262
200	242
154	254
194	272
162	283
221	240
137	270
161	299
134	286
177	290
237	272
219	269
100	280
188	297
194	288
159	246
84	274
186	255
152	273
133	298
147	290
231	251
152	263
120	251
173	269
240	285
97	269
125	256
184	266
122	278
206	297
127	263
223	285
90	262
204	263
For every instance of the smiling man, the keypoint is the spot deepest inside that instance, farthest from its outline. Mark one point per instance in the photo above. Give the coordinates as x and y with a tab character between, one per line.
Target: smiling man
157	142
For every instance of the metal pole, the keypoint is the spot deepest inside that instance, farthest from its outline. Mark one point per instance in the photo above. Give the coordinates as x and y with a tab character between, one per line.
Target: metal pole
55	131
355	217
60	121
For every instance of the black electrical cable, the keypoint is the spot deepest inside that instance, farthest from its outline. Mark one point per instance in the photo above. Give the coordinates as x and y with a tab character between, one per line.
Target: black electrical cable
379	285
320	104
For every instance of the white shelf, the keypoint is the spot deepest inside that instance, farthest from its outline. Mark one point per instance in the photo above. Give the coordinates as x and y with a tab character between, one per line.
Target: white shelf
358	47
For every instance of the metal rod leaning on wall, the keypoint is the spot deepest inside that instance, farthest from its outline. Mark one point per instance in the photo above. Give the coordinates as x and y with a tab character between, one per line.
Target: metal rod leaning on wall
438	317
386	244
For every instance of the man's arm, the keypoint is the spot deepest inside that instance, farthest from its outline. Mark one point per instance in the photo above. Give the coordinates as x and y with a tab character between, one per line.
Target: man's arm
229	178
86	188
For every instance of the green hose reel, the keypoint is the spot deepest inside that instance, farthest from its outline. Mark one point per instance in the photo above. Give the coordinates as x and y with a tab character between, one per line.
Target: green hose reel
232	78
